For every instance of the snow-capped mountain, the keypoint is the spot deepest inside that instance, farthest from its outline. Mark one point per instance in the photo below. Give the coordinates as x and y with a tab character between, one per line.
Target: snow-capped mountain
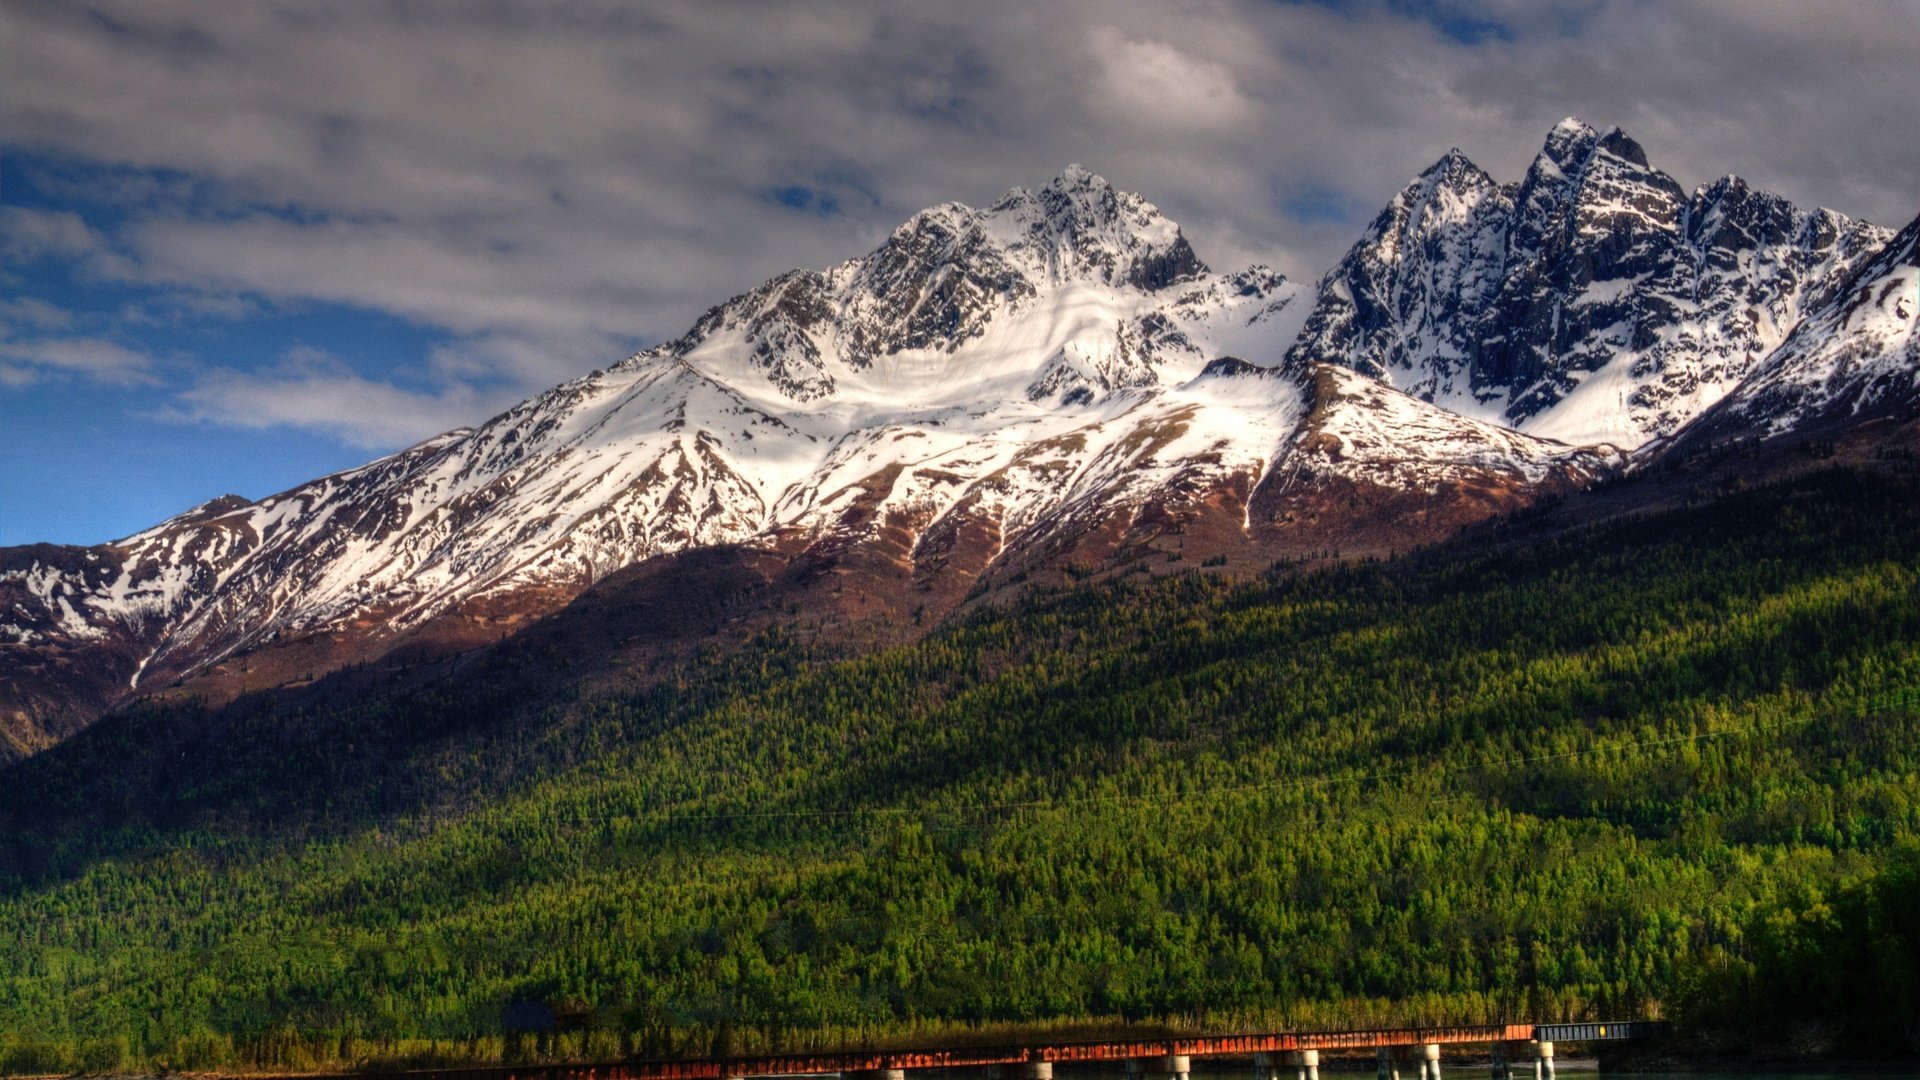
1054	383
1855	358
1593	302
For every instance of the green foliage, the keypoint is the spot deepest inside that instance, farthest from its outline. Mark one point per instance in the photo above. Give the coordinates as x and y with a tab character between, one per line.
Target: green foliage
1555	778
100	1056
35	1056
1845	958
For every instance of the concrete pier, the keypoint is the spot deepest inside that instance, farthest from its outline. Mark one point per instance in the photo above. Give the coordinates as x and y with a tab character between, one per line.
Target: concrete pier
1543	1060
1037	1070
1263	1067
1384	1066
1430	1061
1176	1066
1309	1065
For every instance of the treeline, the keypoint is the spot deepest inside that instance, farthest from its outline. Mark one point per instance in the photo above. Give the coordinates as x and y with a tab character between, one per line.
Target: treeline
1652	766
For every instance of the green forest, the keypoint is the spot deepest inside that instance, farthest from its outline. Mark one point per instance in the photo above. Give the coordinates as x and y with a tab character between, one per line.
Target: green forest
1662	766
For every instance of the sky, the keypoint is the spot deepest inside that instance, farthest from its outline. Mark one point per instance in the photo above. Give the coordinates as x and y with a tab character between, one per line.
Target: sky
245	243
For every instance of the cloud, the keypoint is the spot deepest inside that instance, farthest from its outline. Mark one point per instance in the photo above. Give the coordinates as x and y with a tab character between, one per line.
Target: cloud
27	234
549	184
30	311
1157	84
312	391
91	358
35	235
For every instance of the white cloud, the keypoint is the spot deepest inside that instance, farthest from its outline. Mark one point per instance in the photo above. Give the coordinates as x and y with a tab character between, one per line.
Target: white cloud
91	358
30	311
312	391
28	234
1156	84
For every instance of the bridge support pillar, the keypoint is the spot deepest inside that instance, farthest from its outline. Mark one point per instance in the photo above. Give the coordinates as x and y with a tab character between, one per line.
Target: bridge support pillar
1263	1067
1543	1060
1037	1070
1177	1066
1384	1068
1430	1061
1309	1065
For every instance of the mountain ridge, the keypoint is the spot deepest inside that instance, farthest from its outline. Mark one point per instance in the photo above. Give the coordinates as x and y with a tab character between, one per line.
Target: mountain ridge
1054	384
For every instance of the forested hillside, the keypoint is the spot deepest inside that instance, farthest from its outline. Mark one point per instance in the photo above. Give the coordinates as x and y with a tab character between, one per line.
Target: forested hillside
1641	767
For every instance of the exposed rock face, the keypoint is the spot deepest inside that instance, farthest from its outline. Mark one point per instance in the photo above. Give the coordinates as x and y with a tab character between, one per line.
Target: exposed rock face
1593	302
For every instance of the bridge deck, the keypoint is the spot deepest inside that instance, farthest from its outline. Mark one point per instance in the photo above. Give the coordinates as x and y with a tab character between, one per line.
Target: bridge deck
1060	1053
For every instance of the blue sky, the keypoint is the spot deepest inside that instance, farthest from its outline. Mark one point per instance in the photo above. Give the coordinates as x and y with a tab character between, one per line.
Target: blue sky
246	244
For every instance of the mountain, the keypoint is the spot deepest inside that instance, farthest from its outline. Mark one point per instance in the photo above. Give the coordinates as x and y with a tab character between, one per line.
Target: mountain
1052	382
1053	386
1852	361
1593	302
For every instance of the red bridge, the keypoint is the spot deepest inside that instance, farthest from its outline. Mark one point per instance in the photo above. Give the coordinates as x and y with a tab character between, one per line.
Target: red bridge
1166	1058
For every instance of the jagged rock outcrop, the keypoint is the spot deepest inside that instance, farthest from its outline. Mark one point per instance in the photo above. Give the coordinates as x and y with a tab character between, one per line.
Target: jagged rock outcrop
1593	302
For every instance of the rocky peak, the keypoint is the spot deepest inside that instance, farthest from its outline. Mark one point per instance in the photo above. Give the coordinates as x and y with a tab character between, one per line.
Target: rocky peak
1454	169
1399	305
1616	143
940	280
1082	228
1729	217
1510	302
1568	144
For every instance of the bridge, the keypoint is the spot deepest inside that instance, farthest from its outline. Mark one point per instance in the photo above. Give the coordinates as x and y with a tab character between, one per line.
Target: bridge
1515	1050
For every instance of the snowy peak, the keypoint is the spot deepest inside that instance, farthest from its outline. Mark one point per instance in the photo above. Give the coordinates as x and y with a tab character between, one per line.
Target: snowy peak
1114	237
1076	229
958	297
1454	171
1594	302
1568	144
1399	306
